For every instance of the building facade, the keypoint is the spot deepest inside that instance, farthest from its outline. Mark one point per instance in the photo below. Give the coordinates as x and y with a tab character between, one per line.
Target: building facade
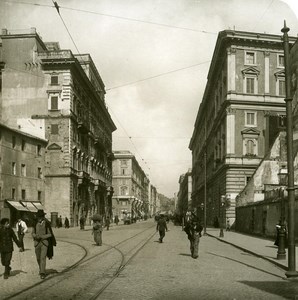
152	200
58	96
184	201
130	185
240	115
22	187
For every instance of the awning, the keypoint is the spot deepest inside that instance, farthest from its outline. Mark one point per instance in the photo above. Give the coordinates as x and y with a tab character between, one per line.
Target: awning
30	206
38	205
17	205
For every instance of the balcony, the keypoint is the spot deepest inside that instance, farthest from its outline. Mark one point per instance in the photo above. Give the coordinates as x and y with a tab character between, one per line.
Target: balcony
83	125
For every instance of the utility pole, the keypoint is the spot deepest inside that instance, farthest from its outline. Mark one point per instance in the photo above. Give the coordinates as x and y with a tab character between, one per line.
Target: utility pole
291	189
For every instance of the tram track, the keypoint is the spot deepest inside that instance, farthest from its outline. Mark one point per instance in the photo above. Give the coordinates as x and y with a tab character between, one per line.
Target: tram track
69	273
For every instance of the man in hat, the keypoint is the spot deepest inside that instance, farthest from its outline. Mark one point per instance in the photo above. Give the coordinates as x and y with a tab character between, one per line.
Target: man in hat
161	227
44	241
7	236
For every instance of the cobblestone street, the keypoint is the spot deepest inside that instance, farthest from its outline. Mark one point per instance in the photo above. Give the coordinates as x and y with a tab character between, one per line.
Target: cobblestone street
158	271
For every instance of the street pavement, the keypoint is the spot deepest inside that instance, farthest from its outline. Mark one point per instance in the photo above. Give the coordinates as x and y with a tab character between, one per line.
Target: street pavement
258	246
25	270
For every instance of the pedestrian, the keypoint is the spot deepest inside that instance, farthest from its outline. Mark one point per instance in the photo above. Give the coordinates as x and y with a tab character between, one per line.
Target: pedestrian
161	227
108	222
193	229
44	240
116	219
228	226
59	222
82	222
21	230
7	236
97	232
66	223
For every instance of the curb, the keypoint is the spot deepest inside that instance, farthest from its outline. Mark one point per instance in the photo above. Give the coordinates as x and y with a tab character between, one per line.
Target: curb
250	252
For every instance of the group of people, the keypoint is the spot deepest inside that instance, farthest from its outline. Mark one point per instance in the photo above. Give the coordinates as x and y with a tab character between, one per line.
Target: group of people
59	223
42	234
192	228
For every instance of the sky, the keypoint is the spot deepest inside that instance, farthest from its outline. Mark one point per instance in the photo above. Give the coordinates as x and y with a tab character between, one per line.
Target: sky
153	57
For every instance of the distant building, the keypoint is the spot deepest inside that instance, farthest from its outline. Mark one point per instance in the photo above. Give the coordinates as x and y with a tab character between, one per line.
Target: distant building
130	185
22	187
184	202
58	96
241	113
152	200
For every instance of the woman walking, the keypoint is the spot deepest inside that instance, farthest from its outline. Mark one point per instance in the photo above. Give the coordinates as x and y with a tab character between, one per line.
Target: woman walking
97	231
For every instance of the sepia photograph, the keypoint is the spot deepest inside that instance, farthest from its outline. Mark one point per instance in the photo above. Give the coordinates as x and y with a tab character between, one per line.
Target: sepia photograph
148	149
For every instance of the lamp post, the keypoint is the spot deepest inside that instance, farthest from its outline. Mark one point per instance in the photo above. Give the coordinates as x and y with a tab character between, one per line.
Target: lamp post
222	203
281	252
291	189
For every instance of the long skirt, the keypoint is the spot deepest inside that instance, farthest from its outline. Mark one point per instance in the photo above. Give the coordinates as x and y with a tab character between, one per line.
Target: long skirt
194	245
98	237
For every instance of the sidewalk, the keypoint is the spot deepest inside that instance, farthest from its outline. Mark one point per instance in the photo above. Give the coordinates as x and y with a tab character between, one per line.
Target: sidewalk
255	245
24	271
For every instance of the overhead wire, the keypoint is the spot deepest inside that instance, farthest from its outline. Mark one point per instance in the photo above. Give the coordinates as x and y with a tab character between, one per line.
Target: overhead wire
117	17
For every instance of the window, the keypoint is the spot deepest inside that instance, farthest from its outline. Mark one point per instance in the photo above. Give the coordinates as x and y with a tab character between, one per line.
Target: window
54	103
39	172
38	150
250	147
54	79
54	129
14	141
250	85
13	193
39	195
23	170
247	179
123	171
280	60
13	168
23	194
281	87
23	145
250	119
250	58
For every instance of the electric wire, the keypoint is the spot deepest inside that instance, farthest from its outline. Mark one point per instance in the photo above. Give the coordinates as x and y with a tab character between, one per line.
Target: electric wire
116	17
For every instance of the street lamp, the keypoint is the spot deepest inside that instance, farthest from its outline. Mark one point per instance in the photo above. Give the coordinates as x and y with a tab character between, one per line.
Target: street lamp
291	189
222	204
281	252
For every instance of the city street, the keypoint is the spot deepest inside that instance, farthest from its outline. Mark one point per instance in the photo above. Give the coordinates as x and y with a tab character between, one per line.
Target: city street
132	264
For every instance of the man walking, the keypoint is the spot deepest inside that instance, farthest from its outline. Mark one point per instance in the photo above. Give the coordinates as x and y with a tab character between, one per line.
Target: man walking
7	236
44	241
161	227
21	230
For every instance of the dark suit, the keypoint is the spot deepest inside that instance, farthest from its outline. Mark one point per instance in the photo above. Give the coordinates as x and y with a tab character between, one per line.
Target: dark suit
162	228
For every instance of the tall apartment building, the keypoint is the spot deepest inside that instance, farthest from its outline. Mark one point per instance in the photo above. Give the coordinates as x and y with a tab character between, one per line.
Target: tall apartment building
241	113
58	96
185	193
22	188
130	185
152	199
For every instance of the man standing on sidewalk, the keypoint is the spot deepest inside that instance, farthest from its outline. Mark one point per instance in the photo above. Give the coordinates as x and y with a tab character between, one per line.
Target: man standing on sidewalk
44	241
21	230
161	227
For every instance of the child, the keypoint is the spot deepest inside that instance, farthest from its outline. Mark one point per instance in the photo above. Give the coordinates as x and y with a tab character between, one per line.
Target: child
7	235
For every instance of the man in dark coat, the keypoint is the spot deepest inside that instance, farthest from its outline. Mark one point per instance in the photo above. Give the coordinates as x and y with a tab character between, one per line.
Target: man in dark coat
7	236
161	227
193	229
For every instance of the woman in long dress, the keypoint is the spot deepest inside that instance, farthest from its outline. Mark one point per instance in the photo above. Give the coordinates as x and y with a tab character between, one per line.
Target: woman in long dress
97	232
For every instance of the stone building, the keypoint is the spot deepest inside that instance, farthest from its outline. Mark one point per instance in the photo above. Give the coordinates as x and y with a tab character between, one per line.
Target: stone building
22	187
152	200
184	201
130	185
240	115
58	96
